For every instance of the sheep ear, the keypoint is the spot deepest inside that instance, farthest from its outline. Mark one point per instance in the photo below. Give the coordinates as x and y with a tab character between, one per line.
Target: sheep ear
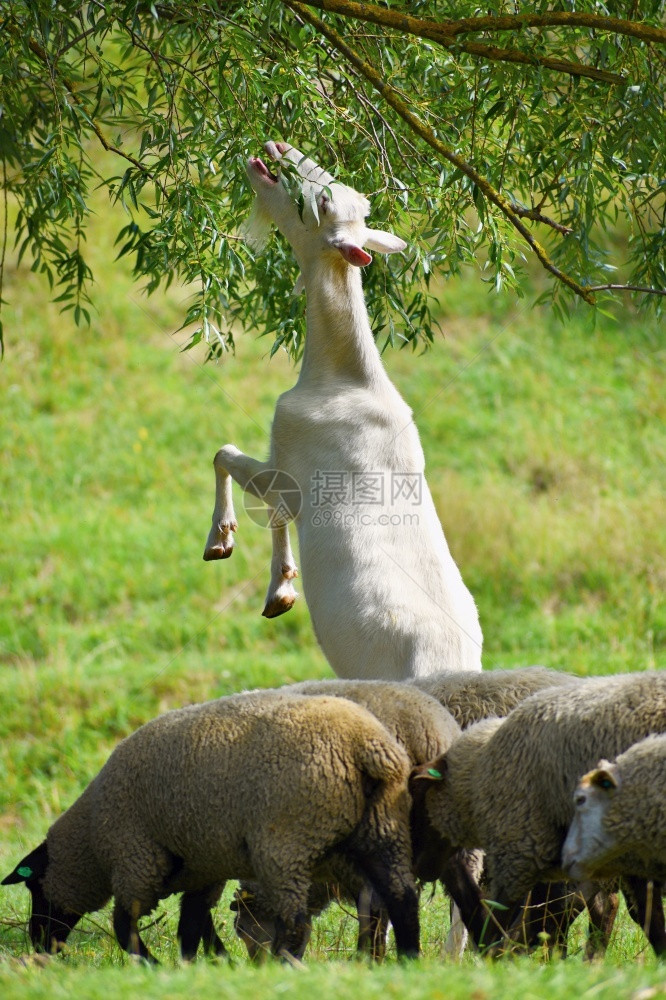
354	254
33	866
604	778
423	774
383	242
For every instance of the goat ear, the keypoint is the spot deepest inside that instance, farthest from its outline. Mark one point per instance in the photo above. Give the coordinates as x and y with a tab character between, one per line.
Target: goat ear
299	285
383	242
354	254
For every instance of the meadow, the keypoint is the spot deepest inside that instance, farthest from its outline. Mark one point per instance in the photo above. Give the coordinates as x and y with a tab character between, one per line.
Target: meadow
545	449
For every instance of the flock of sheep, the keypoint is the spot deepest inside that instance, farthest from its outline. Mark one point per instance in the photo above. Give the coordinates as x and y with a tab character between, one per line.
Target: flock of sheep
528	788
361	789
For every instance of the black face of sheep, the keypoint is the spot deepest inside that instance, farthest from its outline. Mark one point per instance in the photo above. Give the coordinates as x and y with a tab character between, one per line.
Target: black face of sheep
49	926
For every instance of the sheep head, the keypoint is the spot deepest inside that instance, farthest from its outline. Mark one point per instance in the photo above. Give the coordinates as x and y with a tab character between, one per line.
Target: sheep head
588	843
49	925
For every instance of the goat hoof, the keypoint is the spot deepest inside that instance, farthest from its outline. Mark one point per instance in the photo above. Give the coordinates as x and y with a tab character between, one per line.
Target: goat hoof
217	552
289	572
220	542
279	605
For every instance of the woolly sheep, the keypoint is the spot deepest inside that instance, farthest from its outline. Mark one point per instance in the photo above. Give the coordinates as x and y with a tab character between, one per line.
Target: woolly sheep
619	823
506	785
470	697
424	729
259	786
413	717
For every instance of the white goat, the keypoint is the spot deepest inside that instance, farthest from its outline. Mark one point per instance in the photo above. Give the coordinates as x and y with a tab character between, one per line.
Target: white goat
386	598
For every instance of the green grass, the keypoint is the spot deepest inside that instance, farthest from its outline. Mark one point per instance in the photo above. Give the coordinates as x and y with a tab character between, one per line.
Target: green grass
545	452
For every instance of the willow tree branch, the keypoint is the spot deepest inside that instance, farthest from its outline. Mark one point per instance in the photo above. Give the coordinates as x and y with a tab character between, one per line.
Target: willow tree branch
395	101
426	28
439	33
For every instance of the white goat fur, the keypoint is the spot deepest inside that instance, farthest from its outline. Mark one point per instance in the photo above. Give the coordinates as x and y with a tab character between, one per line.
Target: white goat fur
386	600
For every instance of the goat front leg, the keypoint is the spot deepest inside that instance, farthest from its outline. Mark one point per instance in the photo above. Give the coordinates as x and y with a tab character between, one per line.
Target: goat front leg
229	463
281	594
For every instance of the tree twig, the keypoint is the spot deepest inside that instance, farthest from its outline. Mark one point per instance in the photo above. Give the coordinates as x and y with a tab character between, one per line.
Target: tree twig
537	216
627	288
394	100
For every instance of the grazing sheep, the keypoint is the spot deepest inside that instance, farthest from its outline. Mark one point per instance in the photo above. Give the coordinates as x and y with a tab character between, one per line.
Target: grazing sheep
471	697
412	716
425	730
506	786
262	786
619	823
346	464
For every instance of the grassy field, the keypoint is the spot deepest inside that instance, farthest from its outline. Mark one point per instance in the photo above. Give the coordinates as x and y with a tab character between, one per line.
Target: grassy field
545	446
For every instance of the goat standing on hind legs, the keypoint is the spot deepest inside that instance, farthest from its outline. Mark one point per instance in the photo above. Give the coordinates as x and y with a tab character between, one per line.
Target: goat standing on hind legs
385	596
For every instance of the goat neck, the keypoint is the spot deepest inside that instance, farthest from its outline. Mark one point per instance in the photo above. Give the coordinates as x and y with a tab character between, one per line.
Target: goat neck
339	342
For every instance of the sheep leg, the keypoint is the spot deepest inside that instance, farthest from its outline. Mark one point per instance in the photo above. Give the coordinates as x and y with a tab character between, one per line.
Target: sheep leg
372	924
602	907
457	938
646	909
463	889
384	869
281	594
196	923
126	927
291	936
549	911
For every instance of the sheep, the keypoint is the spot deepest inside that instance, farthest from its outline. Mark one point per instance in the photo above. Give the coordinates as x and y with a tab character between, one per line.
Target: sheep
619	822
385	596
471	697
506	786
412	716
425	730
259	785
